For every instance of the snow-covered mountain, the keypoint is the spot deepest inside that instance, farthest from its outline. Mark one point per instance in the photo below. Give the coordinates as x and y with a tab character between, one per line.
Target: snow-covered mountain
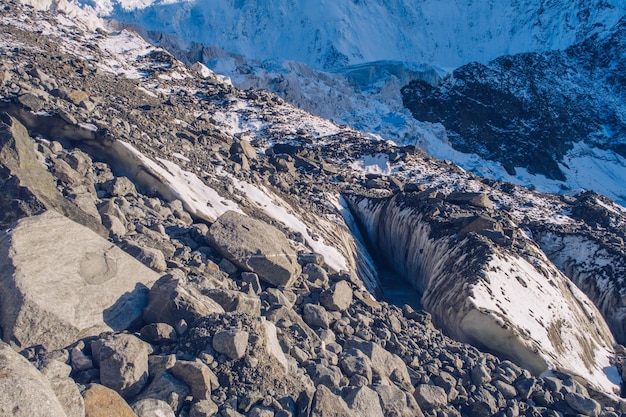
347	60
334	34
118	136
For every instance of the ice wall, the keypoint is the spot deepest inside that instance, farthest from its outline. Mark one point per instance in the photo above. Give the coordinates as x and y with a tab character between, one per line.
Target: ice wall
513	302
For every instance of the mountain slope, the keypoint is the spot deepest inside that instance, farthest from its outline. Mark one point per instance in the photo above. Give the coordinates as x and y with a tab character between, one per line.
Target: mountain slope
158	153
539	111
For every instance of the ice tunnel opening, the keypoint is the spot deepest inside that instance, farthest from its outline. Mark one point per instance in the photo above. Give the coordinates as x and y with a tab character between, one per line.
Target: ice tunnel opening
393	284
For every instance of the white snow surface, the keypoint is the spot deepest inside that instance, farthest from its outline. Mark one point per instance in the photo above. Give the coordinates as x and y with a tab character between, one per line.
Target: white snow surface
198	198
280	210
533	299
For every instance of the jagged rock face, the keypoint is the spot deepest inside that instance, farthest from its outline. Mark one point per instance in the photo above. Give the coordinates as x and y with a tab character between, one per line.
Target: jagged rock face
28	188
529	110
475	283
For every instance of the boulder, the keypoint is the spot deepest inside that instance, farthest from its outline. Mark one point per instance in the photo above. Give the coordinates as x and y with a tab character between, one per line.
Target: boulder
479	200
430	396
235	301
327	404
204	408
25	391
69	397
173	299
48	258
255	246
383	362
123	362
397	403
101	401
150	407
338	297
158	333
583	405
165	387
197	376
364	401
231	342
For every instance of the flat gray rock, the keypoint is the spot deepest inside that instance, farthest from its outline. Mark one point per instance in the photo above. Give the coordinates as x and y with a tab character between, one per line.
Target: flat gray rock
48	258
255	246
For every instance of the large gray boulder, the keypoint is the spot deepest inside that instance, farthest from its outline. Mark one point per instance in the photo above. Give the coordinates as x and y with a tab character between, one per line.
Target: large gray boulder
25	391
255	246
47	259
123	360
172	299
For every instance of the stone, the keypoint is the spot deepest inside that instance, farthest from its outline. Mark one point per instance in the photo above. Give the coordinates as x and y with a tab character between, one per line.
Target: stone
243	147
480	200
101	401
25	391
166	387
338	297
383	362
120	186
317	275
158	333
233	301
272	345
28	188
260	411
255	246
48	258
80	361
203	408
354	362
327	404
397	403
172	299
150	407
430	397
316	316
123	360
151	257
325	375
508	391
364	401
31	102
585	406
55	369
160	363
231	342
480	375
199	377
69	397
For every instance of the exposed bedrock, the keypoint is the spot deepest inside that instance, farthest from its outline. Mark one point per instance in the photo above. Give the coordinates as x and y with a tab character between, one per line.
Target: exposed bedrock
505	297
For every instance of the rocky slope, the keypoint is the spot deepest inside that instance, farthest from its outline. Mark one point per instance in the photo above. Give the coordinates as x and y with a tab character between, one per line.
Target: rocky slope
557	114
244	284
